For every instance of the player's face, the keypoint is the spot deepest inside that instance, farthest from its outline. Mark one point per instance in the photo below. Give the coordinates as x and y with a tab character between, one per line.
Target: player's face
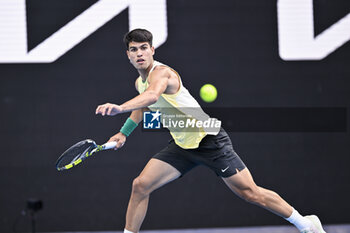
140	55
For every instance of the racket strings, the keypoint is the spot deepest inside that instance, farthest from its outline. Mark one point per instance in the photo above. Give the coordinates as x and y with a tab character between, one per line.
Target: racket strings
76	154
83	154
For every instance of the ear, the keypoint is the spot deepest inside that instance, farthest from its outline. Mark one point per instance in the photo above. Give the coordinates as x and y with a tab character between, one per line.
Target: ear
153	50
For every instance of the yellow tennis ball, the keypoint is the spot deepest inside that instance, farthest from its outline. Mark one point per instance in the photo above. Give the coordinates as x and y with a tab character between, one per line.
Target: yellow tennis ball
208	93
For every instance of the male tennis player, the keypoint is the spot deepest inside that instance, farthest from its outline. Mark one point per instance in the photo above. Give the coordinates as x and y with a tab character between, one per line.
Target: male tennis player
160	88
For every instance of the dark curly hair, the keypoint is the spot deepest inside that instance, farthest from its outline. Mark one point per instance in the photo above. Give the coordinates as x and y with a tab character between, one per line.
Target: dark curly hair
138	35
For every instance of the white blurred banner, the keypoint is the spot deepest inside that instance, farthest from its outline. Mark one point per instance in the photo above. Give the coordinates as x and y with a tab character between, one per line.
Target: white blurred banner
13	28
296	32
295	29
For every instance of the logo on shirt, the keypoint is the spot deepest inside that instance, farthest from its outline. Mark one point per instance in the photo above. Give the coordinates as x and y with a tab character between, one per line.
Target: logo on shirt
151	120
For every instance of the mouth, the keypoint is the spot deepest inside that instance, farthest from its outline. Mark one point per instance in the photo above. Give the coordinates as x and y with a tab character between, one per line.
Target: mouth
140	61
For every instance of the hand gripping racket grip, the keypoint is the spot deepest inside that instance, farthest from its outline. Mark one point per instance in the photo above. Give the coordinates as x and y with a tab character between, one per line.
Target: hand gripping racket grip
109	145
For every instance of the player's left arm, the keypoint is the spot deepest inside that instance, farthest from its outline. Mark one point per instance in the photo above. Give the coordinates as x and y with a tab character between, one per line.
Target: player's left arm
158	83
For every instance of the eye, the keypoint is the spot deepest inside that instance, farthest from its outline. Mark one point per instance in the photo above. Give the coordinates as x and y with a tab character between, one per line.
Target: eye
133	49
143	47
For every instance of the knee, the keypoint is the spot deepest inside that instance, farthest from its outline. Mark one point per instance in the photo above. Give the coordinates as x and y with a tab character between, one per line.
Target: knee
254	196
140	186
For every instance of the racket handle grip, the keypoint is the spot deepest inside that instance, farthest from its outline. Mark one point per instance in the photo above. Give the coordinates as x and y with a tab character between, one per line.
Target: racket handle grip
109	145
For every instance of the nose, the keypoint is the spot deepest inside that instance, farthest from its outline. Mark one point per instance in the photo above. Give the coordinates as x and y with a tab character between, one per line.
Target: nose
139	53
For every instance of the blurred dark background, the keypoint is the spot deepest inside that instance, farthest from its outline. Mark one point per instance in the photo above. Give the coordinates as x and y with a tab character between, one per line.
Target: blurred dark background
46	107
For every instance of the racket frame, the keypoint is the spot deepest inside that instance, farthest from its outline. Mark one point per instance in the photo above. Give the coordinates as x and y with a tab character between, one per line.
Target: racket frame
84	155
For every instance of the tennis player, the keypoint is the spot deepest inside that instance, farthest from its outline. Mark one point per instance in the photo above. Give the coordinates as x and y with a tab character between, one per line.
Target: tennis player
161	89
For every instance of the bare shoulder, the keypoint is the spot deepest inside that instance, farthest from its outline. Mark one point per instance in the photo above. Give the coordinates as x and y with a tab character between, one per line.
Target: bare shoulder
168	75
161	71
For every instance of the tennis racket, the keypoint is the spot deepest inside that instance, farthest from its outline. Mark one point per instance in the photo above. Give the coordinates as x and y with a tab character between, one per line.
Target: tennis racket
79	152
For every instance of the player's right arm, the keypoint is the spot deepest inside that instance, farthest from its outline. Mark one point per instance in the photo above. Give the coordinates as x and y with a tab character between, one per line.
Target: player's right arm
136	116
120	138
158	84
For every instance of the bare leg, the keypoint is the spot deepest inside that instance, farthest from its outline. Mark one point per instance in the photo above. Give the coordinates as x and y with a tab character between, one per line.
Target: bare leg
243	185
155	174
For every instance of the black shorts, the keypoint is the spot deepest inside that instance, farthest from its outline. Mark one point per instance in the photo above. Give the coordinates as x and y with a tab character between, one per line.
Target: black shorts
214	151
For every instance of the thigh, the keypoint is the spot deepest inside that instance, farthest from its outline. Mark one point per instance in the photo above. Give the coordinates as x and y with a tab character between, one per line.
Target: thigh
217	153
176	157
240	182
157	173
